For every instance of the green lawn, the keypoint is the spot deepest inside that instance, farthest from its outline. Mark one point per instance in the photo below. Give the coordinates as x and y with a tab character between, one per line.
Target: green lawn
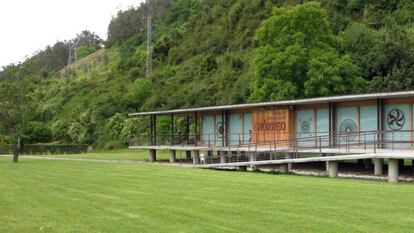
78	196
121	154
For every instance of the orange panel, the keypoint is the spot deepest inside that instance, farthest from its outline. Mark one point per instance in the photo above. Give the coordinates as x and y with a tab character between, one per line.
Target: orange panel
272	124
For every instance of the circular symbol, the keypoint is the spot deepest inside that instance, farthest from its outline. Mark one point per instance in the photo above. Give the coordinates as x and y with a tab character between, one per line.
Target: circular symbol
396	119
304	127
347	129
220	129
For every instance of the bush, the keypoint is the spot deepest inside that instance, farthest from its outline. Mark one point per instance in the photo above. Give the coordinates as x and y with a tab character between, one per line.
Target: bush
33	149
5	149
114	144
38	132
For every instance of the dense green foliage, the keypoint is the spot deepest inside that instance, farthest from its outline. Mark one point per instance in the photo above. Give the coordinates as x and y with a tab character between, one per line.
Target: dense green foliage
47	149
78	196
210	52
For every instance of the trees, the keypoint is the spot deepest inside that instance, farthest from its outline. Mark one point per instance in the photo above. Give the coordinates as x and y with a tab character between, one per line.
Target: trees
16	106
385	56
297	57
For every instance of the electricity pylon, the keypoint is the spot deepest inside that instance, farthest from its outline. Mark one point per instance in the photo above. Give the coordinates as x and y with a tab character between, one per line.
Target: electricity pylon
73	56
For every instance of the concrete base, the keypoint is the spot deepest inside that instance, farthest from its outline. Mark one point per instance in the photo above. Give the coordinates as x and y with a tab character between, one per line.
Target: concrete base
284	168
196	157
393	170
152	155
378	167
327	166
333	169
173	156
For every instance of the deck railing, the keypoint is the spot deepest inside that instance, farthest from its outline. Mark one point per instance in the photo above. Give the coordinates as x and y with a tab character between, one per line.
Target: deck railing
234	147
365	140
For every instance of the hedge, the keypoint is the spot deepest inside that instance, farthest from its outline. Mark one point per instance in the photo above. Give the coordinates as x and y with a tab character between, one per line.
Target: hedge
33	149
5	149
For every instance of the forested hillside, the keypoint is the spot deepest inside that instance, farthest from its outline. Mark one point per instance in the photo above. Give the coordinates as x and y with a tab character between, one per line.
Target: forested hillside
211	52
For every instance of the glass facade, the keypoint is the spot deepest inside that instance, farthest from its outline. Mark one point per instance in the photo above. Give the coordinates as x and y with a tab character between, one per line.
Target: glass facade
208	129
396	120
235	128
239	129
322	125
368	122
220	130
247	127
347	124
305	127
356	124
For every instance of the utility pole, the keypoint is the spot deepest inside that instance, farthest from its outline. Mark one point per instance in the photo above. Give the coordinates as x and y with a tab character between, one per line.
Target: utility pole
149	46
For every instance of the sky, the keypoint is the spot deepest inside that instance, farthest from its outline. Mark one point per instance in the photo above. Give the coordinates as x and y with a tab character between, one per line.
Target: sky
27	26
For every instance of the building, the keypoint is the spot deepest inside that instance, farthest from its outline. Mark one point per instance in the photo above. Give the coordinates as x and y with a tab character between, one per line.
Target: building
365	125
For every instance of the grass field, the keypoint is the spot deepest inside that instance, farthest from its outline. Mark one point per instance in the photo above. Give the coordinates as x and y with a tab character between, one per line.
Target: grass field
78	196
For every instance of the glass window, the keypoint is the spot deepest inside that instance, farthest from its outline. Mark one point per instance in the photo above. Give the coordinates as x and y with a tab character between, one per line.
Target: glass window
305	127
208	129
247	128
347	124
368	123
396	122
322	125
235	129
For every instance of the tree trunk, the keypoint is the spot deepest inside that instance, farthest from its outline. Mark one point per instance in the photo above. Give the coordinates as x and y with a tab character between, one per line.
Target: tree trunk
16	156
16	150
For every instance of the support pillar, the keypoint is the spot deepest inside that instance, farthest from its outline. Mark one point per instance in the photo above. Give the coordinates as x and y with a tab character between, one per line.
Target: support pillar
152	155
289	156
252	158
173	156
393	170
333	169
378	167
284	168
196	157
326	163
222	155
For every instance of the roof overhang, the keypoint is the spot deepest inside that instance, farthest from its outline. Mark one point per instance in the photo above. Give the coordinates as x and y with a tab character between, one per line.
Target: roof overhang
318	100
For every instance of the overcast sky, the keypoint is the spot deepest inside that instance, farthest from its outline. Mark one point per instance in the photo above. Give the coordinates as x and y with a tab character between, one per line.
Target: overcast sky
29	25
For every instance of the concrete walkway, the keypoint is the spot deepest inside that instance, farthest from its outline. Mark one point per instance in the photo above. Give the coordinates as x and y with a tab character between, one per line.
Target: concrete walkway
336	158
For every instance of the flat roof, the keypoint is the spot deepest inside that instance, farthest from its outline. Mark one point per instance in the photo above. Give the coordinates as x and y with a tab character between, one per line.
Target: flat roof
330	99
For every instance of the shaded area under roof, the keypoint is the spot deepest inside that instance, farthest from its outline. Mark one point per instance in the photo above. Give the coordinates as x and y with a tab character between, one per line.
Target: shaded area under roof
330	99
